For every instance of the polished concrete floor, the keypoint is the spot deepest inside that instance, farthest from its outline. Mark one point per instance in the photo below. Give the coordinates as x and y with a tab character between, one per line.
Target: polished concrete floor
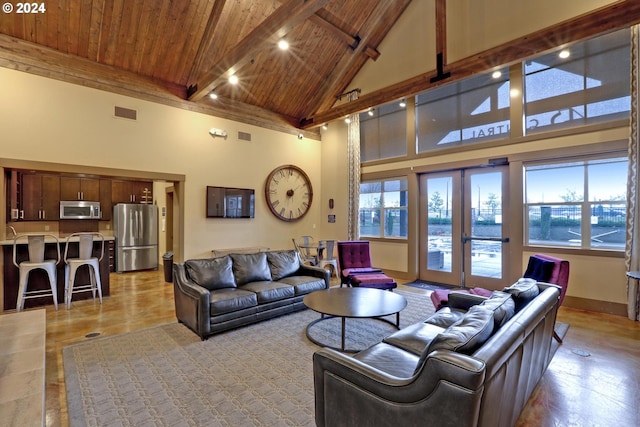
592	380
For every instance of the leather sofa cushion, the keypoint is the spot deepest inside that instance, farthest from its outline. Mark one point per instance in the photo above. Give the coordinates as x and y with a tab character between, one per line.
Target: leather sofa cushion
445	317
503	307
212	273
414	338
523	292
231	299
467	334
390	359
464	336
250	268
283	263
270	291
304	284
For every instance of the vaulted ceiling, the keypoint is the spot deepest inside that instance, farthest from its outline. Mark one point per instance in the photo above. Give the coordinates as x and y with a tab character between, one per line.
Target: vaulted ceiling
188	48
177	52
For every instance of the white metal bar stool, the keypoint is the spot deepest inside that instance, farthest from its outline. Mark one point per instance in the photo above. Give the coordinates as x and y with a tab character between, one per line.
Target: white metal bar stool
36	261
85	252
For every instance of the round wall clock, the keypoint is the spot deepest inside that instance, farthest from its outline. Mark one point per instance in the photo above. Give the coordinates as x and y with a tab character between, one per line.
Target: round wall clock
288	192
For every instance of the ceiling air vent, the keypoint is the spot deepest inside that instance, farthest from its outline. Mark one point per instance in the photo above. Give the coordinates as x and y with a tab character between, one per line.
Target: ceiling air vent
244	136
125	113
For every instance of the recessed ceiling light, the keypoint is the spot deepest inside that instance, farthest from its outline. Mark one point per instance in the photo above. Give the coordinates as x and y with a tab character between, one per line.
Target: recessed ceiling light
564	53
496	74
213	95
283	44
233	79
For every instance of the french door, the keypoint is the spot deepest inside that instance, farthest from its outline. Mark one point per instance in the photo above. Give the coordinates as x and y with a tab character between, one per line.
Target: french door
463	240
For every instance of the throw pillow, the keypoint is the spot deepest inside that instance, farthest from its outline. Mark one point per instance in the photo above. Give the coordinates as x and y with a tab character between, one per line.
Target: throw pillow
464	336
523	292
250	267
283	263
213	273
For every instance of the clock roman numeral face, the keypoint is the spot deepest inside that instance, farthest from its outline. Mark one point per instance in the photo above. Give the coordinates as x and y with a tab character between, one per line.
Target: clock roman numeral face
288	193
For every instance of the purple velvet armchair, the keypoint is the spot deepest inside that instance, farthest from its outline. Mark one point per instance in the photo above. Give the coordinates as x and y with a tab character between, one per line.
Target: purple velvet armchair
546	268
354	258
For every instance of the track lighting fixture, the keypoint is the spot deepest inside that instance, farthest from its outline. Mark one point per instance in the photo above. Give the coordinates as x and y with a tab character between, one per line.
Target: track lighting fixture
233	79
403	103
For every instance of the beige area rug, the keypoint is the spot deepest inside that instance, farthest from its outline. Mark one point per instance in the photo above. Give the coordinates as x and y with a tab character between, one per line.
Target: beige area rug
259	375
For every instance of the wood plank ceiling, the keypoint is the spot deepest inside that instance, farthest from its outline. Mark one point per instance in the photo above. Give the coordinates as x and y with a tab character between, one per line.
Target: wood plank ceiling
189	48
177	52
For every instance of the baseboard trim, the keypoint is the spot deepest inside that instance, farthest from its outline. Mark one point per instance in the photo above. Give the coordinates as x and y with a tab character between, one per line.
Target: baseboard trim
596	305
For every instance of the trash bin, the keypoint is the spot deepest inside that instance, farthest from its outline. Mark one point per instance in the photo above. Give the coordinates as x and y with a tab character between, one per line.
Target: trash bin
167	260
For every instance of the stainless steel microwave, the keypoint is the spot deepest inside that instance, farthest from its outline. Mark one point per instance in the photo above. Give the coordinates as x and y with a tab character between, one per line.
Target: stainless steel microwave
80	210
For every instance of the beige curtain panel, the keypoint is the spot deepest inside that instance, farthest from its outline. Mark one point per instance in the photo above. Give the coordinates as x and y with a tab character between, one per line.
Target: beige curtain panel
632	248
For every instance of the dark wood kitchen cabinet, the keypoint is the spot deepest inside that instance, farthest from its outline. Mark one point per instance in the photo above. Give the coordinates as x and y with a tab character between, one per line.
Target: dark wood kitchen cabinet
131	191
106	205
40	197
72	188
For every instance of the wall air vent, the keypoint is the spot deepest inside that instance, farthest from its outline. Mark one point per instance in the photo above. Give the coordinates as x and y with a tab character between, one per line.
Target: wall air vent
244	136
125	113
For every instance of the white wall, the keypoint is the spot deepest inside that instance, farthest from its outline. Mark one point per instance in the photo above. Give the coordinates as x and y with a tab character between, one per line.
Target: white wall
473	26
52	121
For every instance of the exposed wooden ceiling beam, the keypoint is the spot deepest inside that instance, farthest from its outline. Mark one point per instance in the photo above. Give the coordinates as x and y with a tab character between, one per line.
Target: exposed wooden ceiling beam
350	40
275	26
207	39
613	17
383	15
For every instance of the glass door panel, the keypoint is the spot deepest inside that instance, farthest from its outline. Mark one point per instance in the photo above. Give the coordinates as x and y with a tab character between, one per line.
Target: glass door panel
441	219
483	231
461	225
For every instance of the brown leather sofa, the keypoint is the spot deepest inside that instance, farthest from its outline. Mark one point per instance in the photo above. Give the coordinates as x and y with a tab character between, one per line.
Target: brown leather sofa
216	294
474	363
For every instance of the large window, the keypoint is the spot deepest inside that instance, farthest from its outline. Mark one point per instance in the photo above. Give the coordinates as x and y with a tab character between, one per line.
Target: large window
577	203
469	111
383	208
583	84
383	132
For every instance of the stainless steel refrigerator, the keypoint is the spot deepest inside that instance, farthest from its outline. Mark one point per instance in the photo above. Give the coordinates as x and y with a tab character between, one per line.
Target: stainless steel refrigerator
135	228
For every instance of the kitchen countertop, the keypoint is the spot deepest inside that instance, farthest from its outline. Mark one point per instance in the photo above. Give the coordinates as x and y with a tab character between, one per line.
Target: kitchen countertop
48	239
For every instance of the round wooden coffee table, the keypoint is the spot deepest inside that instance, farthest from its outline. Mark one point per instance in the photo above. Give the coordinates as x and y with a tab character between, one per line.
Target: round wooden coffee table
353	303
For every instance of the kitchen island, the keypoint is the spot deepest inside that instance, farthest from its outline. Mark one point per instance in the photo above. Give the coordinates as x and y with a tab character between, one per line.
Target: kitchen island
38	279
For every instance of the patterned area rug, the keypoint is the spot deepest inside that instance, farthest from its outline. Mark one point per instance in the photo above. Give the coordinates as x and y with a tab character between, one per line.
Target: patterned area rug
259	375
